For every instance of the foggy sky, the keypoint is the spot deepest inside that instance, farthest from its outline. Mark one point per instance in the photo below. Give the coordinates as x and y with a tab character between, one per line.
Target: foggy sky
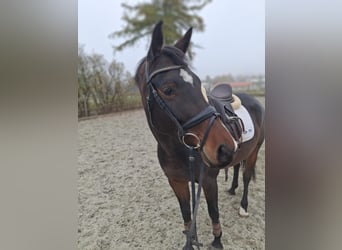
233	40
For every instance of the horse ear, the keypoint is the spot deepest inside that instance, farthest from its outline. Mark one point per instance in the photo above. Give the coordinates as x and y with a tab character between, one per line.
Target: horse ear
157	41
183	42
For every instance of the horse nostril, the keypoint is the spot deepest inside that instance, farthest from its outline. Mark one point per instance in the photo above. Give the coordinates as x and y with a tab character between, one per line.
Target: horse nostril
224	155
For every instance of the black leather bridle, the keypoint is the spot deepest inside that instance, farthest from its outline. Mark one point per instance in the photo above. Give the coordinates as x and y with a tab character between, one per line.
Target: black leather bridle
208	112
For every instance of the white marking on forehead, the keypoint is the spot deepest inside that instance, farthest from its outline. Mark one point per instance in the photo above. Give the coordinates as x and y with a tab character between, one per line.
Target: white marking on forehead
186	77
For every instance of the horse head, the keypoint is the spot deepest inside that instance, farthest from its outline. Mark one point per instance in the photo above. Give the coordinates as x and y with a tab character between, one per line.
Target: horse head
175	105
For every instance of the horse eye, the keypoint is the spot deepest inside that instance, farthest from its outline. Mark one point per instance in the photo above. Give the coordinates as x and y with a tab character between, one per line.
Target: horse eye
168	91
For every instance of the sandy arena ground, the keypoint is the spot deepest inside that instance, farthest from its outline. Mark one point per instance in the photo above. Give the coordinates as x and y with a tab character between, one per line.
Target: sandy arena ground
125	201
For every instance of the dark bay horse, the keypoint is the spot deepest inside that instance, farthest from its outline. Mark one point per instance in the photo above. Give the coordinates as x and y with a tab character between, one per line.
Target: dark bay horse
180	117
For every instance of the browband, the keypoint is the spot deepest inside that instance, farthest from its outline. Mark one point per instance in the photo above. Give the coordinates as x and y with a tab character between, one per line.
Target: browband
154	73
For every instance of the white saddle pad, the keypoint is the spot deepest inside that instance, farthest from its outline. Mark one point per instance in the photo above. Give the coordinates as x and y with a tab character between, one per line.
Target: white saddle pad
247	121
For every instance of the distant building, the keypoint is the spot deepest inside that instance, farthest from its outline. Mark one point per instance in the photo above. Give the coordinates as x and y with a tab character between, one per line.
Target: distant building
259	82
247	85
241	85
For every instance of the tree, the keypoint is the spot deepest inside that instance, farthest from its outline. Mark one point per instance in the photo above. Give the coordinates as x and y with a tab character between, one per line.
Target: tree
177	16
116	71
84	87
100	82
103	86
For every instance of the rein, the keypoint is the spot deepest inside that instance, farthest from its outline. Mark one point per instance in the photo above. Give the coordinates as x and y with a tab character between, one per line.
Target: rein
192	238
208	112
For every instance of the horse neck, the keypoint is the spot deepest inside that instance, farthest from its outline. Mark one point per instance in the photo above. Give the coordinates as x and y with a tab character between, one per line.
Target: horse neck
172	146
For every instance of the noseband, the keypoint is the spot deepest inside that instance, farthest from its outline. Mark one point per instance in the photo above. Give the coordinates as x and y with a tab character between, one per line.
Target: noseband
208	112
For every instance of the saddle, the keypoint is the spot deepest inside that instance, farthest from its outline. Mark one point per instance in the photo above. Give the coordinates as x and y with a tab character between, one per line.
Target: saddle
223	99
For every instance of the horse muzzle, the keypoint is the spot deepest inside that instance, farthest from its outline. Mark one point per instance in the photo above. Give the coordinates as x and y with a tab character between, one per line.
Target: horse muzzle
224	156
217	146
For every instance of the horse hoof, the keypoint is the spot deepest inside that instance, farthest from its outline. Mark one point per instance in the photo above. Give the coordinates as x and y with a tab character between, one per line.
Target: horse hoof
188	248
243	212
231	191
216	245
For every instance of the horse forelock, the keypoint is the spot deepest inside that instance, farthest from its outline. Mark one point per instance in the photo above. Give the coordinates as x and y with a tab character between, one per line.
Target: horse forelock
174	54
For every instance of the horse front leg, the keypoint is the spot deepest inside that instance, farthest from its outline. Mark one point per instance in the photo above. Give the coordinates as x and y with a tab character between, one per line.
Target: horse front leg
181	190
211	194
